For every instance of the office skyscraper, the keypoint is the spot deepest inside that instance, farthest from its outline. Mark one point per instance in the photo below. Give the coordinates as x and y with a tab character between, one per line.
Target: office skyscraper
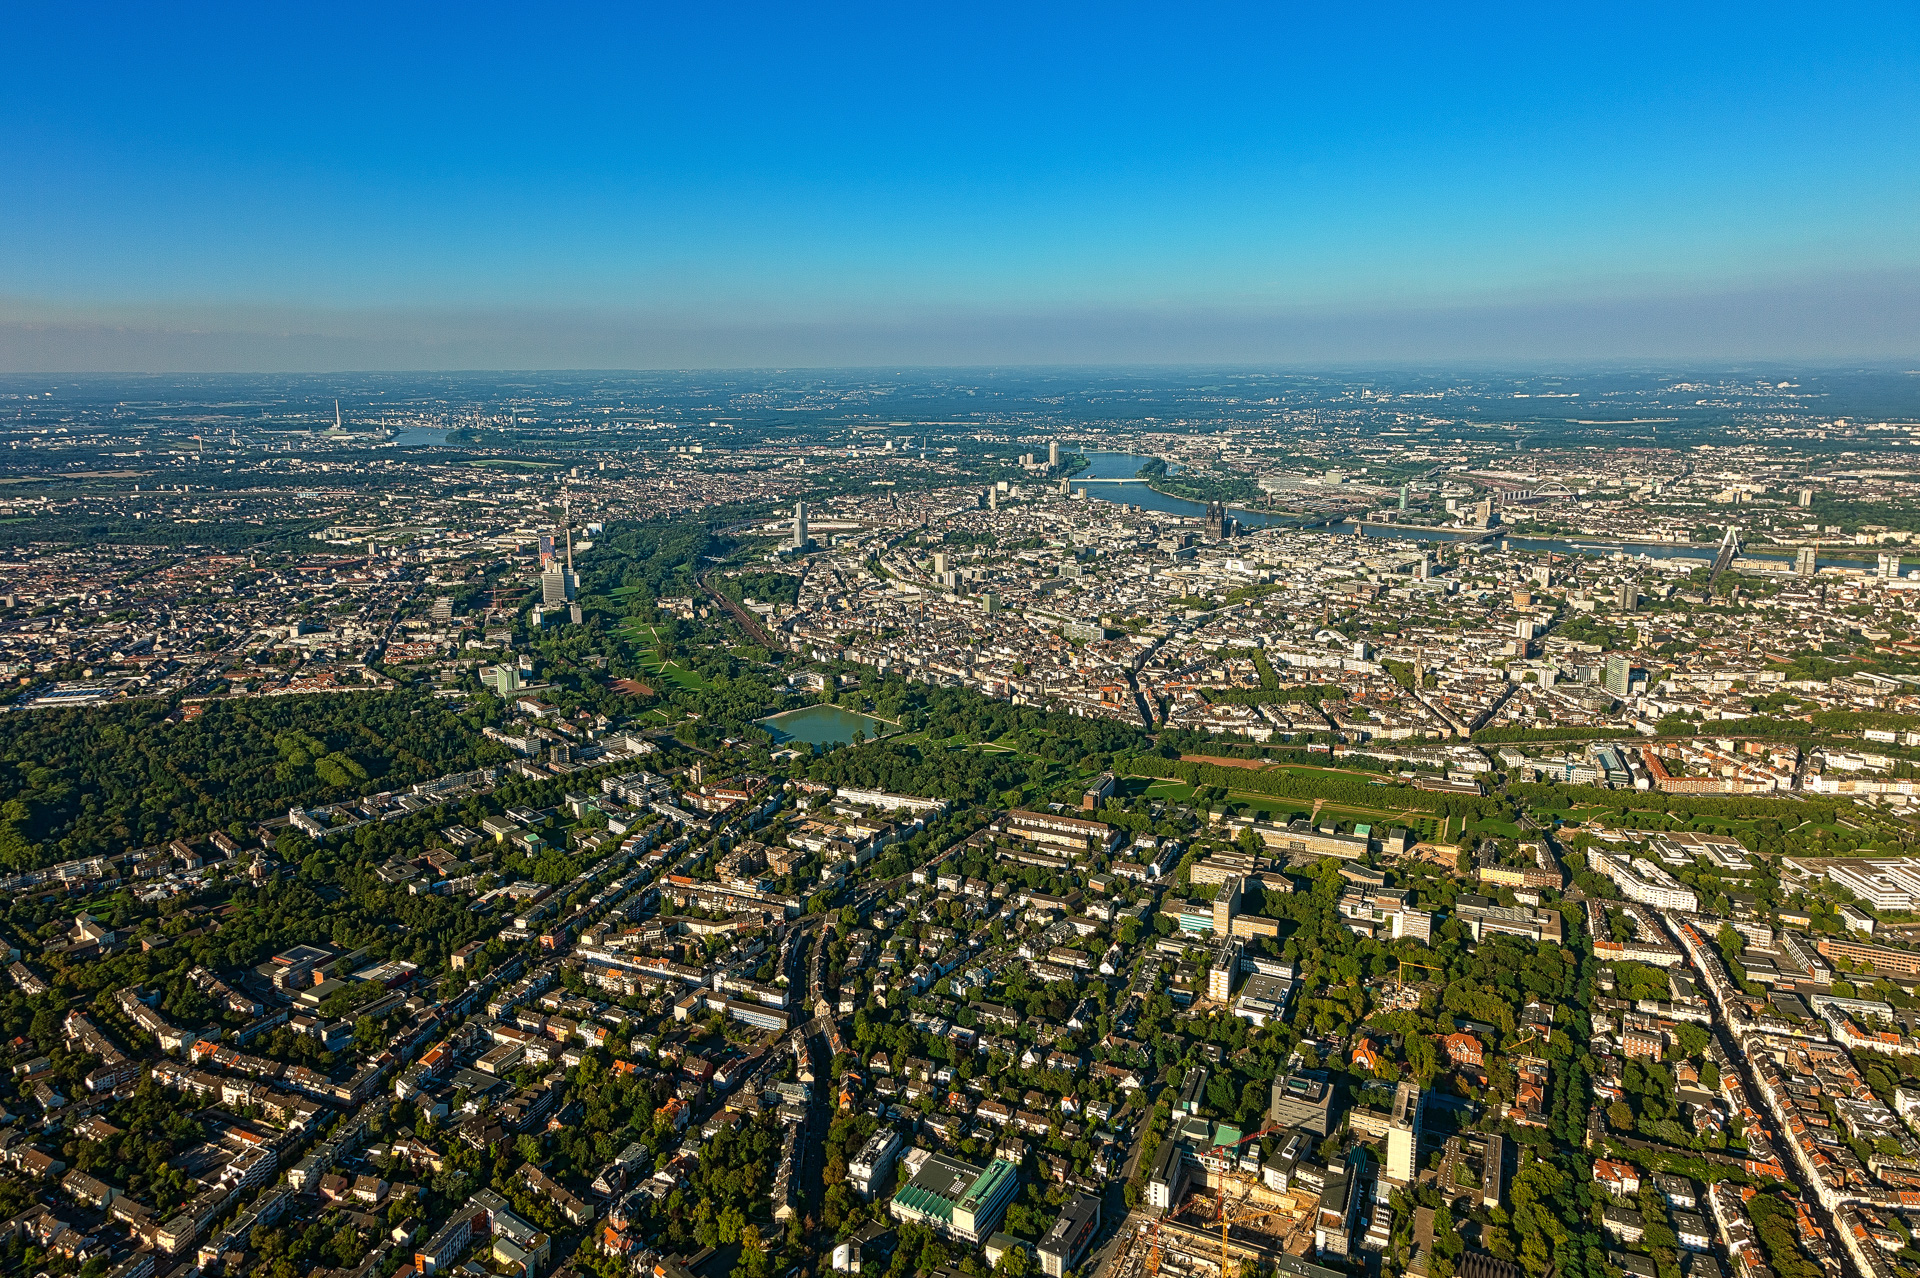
558	585
1053	453
1403	1133
1806	562
557	582
799	525
1226	903
1619	673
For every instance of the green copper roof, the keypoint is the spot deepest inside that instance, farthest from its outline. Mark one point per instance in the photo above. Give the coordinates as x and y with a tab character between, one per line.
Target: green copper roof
989	1182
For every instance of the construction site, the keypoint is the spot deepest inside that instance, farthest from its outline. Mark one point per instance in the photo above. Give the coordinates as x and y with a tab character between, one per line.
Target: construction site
1225	1219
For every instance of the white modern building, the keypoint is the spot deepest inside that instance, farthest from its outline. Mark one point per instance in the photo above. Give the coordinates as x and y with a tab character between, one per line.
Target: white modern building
868	1171
1403	1134
1647	883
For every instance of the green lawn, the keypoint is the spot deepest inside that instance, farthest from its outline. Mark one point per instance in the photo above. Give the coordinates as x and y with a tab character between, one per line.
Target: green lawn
681	677
672	672
1267	805
1314	770
1328	811
1281	810
1570	816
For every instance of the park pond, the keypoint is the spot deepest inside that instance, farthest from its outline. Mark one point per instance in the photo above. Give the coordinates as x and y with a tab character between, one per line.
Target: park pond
824	726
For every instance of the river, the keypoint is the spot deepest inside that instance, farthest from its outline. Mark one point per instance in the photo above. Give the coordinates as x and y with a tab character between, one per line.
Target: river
1137	493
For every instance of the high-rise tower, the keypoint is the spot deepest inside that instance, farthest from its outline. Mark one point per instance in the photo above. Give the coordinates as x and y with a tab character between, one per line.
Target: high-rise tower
1403	1134
558	585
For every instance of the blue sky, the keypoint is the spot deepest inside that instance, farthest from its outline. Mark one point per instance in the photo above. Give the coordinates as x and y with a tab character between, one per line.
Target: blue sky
284	186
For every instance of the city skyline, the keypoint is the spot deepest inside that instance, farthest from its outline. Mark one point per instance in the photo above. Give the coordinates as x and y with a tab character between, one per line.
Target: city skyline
938	820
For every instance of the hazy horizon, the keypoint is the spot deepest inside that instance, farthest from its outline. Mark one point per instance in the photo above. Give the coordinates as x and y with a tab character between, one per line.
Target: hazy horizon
1850	320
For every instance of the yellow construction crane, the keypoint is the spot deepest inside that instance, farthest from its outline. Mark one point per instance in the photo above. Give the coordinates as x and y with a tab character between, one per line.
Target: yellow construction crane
1242	1211
1399	972
1151	1265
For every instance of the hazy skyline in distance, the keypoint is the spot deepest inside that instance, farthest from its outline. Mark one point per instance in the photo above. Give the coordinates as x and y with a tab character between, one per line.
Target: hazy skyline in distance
231	188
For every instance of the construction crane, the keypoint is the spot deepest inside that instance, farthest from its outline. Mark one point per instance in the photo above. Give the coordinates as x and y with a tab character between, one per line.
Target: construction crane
1242	1217
1226	1218
1227	1174
1268	1130
1399	972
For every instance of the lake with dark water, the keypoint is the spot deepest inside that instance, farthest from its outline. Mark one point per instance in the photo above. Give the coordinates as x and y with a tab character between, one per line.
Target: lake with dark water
821	726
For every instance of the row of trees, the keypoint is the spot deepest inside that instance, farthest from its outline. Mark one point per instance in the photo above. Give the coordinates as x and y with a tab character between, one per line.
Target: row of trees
1351	789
